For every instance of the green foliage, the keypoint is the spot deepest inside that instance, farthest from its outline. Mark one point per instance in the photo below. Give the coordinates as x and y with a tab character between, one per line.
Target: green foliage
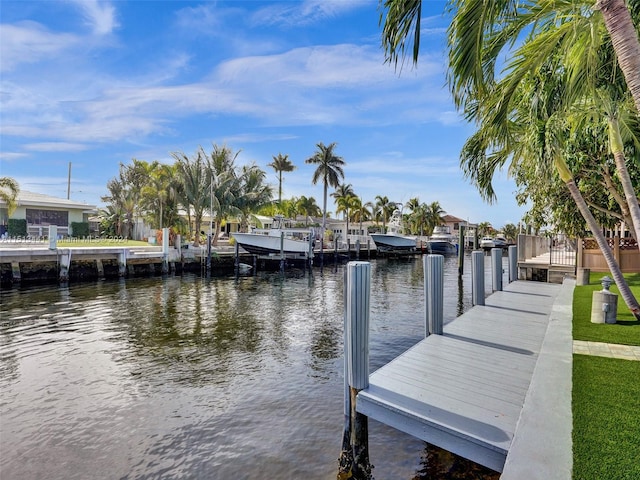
605	418
17	227
625	331
80	229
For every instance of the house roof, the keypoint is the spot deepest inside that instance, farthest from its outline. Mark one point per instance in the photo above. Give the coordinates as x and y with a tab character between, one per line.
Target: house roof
32	199
451	219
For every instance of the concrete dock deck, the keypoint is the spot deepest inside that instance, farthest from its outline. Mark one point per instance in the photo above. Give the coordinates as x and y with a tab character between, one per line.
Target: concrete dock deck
494	388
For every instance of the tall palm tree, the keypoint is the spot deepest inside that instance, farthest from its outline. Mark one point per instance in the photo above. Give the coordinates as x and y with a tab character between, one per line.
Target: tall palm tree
330	172
558	34
624	37
281	163
195	180
9	190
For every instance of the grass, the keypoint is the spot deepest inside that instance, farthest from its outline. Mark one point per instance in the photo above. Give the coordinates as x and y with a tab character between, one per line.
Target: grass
102	243
606	418
625	331
606	392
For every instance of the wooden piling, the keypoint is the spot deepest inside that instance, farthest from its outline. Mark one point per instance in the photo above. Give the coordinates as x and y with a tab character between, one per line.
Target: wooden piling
354	459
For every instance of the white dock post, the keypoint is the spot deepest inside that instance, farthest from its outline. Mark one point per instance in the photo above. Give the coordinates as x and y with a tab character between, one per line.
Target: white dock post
477	278
53	237
356	348
496	268
513	263
433	266
165	250
64	263
122	263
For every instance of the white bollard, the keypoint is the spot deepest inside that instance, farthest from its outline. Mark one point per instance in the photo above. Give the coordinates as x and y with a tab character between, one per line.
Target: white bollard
477	278
53	237
513	263
357	323
433	266
496	268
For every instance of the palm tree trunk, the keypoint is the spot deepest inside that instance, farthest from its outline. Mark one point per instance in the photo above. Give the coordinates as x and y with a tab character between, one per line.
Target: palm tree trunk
623	174
624	289
624	37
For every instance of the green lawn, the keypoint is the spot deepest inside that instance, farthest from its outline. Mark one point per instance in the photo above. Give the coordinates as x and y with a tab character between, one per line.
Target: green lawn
102	243
606	392
627	329
606	418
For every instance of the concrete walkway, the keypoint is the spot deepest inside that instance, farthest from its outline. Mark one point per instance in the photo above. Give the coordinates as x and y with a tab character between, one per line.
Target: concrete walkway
626	352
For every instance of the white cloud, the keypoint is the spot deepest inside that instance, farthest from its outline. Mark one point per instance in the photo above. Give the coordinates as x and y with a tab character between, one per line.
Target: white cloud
30	42
56	147
99	15
300	14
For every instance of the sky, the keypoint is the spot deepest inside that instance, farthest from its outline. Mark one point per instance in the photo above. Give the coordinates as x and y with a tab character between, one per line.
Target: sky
94	84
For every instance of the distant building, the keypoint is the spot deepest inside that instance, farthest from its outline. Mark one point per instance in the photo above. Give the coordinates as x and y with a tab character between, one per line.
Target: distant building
40	211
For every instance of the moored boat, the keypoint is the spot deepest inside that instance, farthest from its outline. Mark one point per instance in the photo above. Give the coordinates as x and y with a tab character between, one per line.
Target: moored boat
393	239
441	242
278	239
487	242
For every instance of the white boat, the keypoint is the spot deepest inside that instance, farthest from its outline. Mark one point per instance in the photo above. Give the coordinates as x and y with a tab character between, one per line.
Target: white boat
394	239
441	241
500	242
278	239
487	242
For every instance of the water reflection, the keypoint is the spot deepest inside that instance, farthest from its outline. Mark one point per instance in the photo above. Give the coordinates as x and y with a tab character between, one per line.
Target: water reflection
189	377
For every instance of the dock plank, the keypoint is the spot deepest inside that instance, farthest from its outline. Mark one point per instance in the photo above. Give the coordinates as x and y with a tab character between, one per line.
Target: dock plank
464	390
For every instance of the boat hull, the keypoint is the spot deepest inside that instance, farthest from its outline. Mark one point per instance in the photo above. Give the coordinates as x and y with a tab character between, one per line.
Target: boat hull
270	245
385	241
441	247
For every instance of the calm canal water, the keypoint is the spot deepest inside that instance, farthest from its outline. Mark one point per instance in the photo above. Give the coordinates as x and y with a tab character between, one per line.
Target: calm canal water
188	377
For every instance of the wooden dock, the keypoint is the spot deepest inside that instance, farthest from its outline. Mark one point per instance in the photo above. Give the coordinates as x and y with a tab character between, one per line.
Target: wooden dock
464	391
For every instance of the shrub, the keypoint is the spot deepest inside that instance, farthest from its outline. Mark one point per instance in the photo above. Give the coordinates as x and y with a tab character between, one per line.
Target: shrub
80	229
17	227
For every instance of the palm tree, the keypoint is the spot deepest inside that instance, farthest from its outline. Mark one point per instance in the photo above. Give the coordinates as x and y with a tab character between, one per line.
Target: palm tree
308	207
281	163
434	216
329	171
253	194
625	41
559	38
9	190
195	180
225	185
384	208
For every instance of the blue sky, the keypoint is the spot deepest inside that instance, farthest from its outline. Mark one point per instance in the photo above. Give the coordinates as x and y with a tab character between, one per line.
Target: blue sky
97	83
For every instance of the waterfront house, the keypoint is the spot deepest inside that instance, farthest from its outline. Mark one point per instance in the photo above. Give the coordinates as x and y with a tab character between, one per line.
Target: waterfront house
40	211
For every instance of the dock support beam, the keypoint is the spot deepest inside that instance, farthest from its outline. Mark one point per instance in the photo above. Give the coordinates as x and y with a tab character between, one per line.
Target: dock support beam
477	278
513	263
354	458
433	266
64	263
165	250
496	268
122	263
16	276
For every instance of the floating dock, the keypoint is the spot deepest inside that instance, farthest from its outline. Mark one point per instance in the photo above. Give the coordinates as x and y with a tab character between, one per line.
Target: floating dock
495	387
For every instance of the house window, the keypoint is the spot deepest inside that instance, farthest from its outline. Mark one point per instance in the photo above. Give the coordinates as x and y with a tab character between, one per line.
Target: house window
47	217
